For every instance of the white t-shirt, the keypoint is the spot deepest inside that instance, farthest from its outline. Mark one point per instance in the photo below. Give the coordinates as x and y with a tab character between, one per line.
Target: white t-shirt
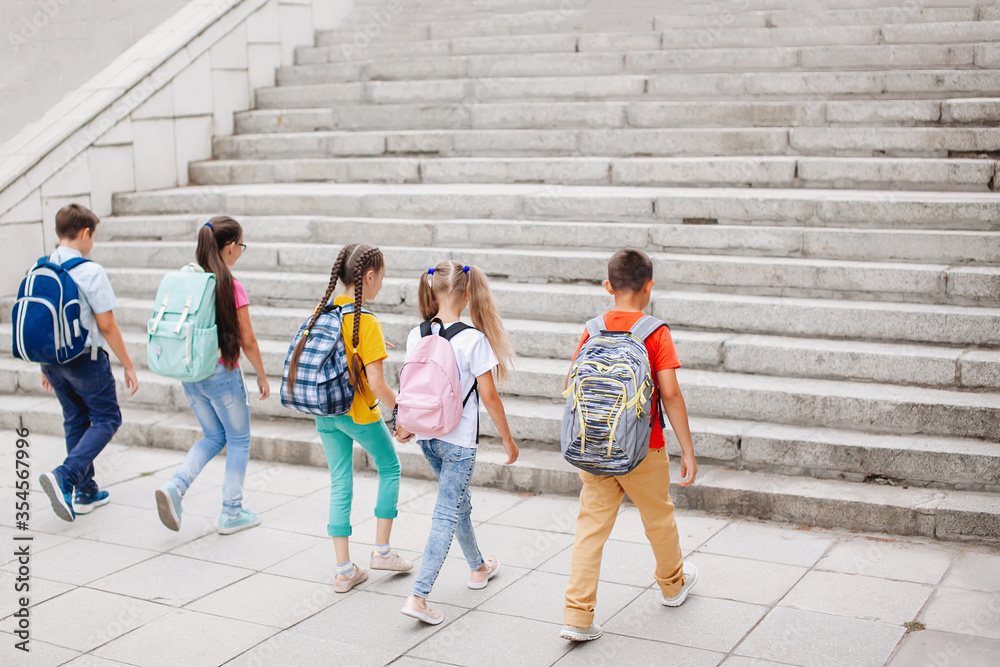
475	357
95	291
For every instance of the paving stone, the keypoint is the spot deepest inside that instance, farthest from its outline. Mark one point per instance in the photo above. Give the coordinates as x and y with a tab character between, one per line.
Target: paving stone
255	549
319	564
616	649
451	586
171	580
921	563
931	646
492	644
350	621
693	528
978	571
300	650
809	638
857	596
267	599
520	547
647	618
82	561
40	591
769	543
179	636
41	654
144	531
545	513
742	579
541	596
84	619
963	612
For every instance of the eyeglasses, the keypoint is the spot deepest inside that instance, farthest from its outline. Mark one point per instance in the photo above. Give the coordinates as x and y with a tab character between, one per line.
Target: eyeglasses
243	246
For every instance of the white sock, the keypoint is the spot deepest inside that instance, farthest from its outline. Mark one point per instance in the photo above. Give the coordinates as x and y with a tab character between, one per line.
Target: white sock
346	570
382	549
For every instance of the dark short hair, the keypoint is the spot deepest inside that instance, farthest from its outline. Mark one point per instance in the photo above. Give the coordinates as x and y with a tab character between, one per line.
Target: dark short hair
73	219
629	270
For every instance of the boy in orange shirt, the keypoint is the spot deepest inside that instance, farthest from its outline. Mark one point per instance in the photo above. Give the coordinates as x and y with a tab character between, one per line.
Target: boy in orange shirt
630	281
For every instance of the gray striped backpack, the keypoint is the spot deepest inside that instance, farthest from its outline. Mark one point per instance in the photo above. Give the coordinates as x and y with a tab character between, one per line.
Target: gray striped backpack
610	399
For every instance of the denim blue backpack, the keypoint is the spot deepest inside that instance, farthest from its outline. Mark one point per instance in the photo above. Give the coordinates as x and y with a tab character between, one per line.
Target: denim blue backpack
46	315
610	399
322	382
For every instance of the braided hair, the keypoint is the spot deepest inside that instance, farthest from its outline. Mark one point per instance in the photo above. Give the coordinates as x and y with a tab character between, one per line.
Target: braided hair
335	274
362	259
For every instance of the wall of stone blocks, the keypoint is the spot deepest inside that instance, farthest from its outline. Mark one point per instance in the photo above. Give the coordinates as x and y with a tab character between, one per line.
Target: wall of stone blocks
142	137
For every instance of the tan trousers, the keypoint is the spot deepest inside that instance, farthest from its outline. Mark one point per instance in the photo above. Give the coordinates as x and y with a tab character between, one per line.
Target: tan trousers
600	501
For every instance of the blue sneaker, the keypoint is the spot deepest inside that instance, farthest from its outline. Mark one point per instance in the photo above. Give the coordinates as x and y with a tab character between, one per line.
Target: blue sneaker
85	503
168	504
59	493
234	524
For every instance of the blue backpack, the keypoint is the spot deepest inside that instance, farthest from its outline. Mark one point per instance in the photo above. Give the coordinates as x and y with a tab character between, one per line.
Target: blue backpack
322	382
46	315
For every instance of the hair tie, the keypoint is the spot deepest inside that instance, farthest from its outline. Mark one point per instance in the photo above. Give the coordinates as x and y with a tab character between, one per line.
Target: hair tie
209	225
430	272
465	268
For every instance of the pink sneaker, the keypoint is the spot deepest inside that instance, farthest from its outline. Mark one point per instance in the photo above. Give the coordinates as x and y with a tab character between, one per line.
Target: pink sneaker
479	578
344	585
393	562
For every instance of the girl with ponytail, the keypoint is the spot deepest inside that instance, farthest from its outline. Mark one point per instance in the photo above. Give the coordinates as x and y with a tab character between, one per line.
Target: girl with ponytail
481	352
360	268
220	402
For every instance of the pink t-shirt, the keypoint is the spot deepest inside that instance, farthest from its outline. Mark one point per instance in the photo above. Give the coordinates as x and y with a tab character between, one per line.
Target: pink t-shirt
241	299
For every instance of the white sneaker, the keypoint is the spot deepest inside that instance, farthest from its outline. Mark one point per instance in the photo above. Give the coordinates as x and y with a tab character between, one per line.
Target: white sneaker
575	634
690	579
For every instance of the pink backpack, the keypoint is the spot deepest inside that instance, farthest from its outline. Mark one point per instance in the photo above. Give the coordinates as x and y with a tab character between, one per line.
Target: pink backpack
430	390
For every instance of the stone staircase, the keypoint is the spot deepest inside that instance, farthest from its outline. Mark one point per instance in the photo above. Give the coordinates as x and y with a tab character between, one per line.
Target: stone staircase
814	182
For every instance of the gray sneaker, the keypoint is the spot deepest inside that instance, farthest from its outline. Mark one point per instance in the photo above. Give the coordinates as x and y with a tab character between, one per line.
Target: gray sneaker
168	505
690	579
575	634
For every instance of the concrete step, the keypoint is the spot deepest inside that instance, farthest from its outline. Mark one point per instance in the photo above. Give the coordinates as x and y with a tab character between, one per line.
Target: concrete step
905	56
879	408
821	208
940	513
614	115
891	363
927	283
774	172
597	18
682	86
761	445
708	311
659	142
880	245
831	27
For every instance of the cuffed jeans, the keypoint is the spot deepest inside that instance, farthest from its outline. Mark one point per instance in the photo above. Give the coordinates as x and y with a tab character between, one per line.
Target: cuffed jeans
221	405
453	466
91	417
338	435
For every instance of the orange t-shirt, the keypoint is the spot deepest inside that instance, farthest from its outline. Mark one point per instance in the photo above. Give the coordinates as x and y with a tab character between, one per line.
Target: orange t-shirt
662	355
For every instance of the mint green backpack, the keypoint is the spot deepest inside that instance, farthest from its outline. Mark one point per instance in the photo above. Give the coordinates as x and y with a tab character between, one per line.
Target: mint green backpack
182	338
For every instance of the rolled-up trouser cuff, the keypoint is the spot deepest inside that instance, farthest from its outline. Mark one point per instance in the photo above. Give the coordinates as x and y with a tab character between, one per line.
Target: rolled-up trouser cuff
338	531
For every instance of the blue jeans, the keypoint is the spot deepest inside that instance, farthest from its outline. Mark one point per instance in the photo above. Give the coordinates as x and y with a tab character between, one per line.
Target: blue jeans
452	465
220	403
91	417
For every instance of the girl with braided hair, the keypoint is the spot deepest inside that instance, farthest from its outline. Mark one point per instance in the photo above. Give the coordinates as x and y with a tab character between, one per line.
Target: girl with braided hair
360	268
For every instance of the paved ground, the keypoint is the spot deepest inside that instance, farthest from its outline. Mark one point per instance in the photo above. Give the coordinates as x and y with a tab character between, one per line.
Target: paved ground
117	588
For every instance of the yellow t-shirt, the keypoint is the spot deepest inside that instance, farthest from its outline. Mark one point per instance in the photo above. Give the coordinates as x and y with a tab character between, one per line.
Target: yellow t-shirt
371	347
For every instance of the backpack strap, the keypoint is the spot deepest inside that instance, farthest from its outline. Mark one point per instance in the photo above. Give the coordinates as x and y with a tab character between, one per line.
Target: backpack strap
71	264
454	330
425	327
595	326
646	326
